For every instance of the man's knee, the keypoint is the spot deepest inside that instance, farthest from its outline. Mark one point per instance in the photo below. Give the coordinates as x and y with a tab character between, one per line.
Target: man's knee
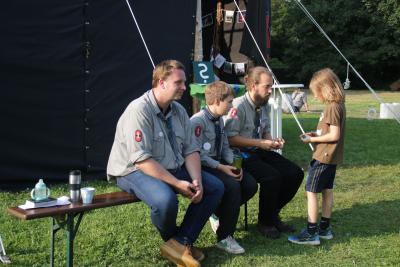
232	187
212	185
164	203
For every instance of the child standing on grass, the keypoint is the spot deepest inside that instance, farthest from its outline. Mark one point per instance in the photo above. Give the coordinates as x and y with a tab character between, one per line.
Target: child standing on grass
329	145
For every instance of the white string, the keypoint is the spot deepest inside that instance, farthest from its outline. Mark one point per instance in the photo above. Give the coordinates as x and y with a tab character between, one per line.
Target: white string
304	9
273	75
140	33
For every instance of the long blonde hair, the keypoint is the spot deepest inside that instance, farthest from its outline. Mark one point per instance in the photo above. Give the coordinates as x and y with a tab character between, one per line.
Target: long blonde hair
326	84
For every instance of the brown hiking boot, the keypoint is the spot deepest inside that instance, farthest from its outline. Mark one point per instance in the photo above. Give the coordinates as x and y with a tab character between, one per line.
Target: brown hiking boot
179	254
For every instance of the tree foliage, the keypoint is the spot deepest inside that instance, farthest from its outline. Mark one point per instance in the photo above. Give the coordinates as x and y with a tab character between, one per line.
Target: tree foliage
368	39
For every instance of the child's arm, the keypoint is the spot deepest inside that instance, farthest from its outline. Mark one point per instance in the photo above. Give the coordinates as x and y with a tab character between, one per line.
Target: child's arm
332	136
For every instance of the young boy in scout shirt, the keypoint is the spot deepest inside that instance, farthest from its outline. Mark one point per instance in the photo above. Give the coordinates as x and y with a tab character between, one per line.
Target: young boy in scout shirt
329	146
216	158
154	157
278	177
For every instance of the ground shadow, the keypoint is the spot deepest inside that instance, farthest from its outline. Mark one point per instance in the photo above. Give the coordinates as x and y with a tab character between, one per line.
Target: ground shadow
361	220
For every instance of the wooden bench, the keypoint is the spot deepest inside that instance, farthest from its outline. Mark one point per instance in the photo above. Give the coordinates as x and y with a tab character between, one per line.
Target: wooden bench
63	217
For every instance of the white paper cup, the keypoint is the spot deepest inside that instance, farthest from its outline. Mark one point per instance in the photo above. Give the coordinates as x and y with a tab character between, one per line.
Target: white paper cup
87	194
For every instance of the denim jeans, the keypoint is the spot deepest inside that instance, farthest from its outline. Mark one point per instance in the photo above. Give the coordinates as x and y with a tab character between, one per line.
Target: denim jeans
163	202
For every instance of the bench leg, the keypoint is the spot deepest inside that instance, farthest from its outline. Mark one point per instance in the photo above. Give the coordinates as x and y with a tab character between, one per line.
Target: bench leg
71	228
54	228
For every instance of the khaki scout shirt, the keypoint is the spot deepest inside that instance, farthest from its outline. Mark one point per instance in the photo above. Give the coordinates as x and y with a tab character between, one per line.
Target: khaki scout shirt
205	139
243	123
331	153
142	134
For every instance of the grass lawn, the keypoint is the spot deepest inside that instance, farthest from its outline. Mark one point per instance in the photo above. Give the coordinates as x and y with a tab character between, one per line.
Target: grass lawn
366	218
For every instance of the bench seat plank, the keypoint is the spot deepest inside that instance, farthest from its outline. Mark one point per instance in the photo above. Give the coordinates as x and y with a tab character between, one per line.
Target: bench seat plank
99	201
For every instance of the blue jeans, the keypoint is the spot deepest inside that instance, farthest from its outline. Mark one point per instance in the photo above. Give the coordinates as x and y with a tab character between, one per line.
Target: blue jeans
163	201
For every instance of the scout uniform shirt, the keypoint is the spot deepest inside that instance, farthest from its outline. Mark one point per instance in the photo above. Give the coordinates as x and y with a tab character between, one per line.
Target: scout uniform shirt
246	120
331	153
143	132
210	138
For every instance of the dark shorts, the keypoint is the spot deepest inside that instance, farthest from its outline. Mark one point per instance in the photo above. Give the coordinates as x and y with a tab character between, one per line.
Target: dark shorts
320	176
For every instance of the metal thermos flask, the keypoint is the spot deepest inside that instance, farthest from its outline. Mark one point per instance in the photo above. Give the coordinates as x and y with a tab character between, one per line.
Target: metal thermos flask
75	185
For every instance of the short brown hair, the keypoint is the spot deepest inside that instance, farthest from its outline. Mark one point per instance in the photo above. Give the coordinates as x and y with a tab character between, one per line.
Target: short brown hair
217	91
327	83
254	74
164	69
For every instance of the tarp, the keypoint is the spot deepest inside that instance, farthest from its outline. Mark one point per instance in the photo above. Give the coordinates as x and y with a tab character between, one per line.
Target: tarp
68	69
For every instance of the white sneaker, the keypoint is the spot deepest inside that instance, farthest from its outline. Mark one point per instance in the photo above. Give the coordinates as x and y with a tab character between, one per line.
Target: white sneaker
230	245
214	222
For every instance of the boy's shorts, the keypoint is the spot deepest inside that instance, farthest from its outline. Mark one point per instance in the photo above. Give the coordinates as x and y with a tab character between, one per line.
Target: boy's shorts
320	176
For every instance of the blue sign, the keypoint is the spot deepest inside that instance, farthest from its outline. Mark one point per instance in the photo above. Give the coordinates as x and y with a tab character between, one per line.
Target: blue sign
203	72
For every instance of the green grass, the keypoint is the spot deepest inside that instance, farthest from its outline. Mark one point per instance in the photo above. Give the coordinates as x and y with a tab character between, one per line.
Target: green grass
366	216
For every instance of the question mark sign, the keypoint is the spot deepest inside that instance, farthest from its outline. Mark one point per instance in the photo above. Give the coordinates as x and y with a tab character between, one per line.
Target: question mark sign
202	72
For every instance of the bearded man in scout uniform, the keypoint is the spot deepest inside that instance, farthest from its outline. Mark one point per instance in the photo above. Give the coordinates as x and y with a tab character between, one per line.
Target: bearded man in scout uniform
154	157
249	130
216	158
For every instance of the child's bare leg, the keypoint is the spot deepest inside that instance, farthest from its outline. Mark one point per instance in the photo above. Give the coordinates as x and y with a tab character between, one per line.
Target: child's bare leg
312	205
327	203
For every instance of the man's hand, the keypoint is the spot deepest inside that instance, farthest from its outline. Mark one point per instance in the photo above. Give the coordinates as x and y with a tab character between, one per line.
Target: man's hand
230	170
198	195
186	189
279	143
267	144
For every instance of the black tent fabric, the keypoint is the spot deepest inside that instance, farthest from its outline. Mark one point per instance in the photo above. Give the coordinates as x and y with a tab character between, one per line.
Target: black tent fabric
67	71
258	17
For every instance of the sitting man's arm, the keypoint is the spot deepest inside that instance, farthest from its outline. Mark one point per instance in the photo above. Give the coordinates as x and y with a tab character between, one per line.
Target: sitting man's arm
152	168
193	166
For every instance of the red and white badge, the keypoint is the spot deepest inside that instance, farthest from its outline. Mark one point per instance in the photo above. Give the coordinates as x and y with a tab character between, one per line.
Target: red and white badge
138	136
233	113
197	131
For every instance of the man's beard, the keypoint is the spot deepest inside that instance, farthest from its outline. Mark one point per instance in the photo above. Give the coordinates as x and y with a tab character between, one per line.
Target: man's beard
259	101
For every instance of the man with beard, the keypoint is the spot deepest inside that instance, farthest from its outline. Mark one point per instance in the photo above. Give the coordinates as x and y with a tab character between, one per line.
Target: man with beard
248	128
154	157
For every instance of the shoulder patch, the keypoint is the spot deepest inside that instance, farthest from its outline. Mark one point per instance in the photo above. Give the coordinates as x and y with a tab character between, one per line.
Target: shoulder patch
197	131
233	113
138	136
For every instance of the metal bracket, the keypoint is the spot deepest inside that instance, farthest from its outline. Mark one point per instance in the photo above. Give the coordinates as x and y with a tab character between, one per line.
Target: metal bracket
3	257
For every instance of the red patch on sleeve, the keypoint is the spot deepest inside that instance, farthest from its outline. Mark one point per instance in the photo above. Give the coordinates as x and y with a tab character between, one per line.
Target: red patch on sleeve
197	131
233	113
138	135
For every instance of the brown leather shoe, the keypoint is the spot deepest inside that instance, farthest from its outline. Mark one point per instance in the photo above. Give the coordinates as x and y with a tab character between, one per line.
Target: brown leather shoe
197	254
268	231
179	254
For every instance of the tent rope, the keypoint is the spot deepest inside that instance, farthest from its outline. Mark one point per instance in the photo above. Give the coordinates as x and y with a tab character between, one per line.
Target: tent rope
304	9
273	75
140	33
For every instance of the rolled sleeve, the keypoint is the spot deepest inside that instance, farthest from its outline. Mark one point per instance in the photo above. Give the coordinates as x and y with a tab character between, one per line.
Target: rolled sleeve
208	161
227	153
190	144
